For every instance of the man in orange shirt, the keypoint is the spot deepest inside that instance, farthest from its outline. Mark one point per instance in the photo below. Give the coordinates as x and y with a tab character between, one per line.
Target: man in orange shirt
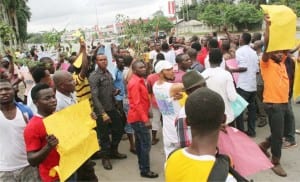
275	98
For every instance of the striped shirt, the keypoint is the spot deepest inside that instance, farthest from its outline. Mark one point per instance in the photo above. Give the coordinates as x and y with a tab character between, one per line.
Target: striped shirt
82	88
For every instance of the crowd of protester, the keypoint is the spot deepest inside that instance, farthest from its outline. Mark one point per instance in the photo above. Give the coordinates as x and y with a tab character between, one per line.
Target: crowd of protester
182	87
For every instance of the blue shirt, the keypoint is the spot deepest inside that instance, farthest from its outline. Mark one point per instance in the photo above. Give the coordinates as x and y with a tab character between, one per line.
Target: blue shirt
119	84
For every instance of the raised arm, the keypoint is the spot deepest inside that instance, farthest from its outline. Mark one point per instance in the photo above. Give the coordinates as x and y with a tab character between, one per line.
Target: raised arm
266	56
85	64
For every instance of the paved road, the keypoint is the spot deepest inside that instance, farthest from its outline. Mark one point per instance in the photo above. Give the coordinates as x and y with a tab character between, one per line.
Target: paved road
127	170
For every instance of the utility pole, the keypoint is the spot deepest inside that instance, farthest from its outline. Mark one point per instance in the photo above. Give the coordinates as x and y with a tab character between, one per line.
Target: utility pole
183	3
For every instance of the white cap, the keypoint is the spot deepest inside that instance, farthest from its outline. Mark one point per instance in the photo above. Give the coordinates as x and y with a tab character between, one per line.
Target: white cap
162	65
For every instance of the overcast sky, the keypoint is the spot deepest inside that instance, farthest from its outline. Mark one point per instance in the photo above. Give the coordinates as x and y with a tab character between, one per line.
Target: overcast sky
72	14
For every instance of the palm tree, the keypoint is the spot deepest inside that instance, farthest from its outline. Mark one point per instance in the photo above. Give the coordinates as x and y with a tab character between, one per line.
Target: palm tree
10	8
18	13
23	16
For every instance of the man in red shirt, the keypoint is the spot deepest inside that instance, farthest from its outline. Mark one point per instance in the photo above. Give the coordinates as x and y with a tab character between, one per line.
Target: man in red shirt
40	146
204	50
139	105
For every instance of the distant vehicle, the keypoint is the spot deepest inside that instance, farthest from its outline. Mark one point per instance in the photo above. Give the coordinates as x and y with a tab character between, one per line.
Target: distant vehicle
161	35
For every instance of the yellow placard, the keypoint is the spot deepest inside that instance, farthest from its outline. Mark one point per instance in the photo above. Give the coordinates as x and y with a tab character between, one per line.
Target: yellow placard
283	27
78	62
296	93
73	127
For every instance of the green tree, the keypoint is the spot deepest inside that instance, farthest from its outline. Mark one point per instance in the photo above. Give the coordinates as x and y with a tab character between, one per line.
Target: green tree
5	33
18	14
35	38
212	15
161	22
247	16
23	16
135	32
192	10
53	38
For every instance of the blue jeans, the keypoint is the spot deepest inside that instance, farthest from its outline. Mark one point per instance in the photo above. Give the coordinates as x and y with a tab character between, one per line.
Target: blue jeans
142	145
276	114
250	98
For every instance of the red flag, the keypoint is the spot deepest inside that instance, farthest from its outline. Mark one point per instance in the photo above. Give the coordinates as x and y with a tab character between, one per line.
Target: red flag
171	7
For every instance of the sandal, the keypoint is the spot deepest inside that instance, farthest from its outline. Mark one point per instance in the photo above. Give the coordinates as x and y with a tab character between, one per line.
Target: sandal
149	174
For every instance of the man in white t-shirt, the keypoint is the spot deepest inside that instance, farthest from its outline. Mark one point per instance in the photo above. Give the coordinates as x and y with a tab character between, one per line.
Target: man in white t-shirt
153	53
220	81
168	53
212	44
166	94
247	61
13	160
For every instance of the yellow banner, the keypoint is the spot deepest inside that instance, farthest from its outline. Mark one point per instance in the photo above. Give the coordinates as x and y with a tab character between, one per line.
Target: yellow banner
296	93
73	126
283	27
78	62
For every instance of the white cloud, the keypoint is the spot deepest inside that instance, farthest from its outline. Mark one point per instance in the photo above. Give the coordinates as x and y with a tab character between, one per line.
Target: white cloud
72	14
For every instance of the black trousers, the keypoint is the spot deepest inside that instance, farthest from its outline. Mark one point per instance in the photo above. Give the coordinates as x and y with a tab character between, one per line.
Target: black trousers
104	129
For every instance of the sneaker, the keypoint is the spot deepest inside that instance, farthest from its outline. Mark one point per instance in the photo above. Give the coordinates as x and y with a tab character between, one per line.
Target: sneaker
288	144
297	131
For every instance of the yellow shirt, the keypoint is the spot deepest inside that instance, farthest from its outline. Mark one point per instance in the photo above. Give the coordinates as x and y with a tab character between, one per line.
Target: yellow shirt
182	166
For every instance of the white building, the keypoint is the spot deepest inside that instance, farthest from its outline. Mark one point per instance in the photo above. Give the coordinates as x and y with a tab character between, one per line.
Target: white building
193	26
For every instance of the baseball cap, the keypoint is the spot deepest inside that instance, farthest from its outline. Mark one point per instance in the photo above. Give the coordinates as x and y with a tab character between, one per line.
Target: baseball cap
162	65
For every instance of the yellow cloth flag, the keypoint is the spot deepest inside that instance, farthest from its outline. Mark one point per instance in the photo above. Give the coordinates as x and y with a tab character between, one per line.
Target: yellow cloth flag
283	27
73	127
296	93
78	62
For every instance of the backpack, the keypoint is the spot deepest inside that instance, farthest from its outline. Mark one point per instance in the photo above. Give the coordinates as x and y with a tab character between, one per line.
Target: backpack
26	111
222	168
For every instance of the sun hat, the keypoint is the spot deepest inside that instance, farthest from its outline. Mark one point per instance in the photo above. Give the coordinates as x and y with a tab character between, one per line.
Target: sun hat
192	79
